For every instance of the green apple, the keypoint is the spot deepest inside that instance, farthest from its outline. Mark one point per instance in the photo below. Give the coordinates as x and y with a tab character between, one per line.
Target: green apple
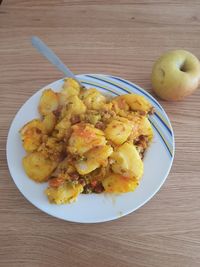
175	75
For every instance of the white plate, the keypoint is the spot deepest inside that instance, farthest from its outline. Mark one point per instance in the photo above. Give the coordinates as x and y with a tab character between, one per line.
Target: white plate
103	207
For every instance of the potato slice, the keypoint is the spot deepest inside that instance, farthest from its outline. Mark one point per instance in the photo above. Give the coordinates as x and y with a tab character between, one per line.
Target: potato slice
127	161
94	158
70	88
141	126
75	105
71	83
120	106
49	122
85	137
38	167
145	128
92	98
65	193
63	128
118	130
136	102
31	135
85	166
116	183
48	102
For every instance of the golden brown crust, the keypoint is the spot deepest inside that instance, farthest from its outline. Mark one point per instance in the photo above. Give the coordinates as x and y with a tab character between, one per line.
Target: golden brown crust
85	143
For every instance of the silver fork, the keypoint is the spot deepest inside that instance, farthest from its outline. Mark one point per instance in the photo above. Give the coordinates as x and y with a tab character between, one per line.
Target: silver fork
52	57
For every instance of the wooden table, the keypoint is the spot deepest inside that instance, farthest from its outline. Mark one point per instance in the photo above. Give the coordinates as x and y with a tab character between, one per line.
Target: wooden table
122	38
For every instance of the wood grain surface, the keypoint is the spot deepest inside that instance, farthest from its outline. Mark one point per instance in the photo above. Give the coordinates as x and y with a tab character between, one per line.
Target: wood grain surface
122	38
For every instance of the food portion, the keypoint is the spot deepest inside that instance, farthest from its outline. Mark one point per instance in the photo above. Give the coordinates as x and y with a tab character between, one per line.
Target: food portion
127	161
85	143
175	75
38	167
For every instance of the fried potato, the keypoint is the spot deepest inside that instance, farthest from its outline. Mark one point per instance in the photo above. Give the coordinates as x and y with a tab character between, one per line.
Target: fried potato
145	128
118	130
127	161
48	102
135	102
49	122
38	167
92	116
120	106
71	83
70	88
31	135
141	126
85	137
116	183
86	142
66	193
75	105
63	128
92	98
94	158
52	148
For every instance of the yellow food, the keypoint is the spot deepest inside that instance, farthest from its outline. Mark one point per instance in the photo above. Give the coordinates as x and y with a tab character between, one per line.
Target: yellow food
71	83
145	128
66	193
93	99
135	102
116	183
62	130
85	137
70	88
38	167
68	91
85	143
94	158
127	161
52	148
118	130
31	135
75	105
49	122
48	102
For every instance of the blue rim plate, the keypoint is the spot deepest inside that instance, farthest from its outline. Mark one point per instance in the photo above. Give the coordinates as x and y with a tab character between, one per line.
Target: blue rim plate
102	207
